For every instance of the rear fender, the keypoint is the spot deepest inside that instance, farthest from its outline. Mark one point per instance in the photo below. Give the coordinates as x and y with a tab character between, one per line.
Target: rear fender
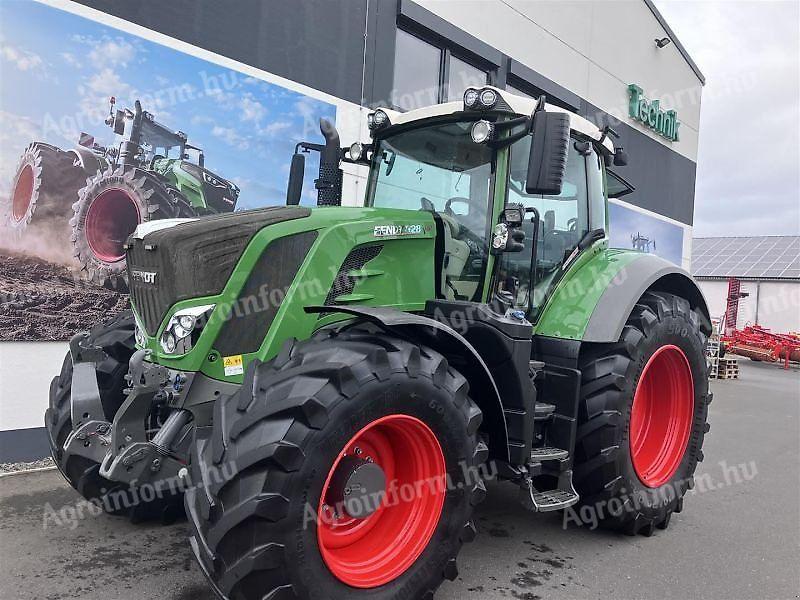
446	340
645	273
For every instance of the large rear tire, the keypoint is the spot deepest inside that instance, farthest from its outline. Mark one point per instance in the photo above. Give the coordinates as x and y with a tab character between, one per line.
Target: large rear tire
327	406
46	184
108	210
116	338
643	417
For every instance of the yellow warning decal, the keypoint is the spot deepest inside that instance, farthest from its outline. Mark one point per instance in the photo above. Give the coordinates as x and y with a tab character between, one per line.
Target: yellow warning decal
233	365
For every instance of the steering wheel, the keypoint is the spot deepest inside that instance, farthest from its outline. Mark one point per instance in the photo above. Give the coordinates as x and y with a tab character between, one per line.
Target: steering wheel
460	199
427	205
572	224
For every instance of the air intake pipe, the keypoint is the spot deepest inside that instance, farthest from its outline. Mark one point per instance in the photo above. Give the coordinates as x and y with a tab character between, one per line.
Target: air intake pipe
329	184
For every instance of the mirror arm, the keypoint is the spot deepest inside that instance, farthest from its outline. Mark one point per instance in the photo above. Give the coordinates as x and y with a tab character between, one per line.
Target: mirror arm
534	252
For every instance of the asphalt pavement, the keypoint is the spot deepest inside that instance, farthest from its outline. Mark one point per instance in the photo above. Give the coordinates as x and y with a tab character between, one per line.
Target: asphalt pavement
737	537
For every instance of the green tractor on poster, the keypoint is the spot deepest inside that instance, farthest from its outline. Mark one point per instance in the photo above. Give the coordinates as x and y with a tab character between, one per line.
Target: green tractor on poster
327	389
104	193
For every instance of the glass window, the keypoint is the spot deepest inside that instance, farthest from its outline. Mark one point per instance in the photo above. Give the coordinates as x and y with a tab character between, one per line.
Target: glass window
440	169
462	76
416	72
563	221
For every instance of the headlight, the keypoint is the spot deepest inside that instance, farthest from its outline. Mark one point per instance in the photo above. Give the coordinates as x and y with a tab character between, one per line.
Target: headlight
470	98
488	98
377	120
177	337
211	180
481	131
356	151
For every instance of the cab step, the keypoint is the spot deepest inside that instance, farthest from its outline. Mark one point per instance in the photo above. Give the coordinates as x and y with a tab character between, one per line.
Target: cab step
544	454
553	500
560	498
542	411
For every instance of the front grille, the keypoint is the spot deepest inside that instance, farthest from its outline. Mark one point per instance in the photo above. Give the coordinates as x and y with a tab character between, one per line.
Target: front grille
192	259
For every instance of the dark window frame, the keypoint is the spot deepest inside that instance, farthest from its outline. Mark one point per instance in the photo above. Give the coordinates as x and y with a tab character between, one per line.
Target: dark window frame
447	50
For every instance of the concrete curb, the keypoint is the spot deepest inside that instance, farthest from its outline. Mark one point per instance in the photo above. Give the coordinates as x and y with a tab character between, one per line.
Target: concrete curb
28	471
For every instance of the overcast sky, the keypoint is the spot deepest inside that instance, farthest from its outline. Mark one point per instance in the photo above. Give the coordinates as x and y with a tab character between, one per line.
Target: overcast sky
748	168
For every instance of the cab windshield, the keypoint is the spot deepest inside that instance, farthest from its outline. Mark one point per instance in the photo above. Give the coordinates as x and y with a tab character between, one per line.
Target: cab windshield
440	169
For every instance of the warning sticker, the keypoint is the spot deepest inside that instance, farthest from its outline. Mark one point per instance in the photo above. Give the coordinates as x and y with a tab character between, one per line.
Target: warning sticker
233	365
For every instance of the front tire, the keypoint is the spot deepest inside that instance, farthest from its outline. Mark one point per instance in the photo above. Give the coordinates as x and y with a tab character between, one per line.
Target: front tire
267	530
643	417
116	338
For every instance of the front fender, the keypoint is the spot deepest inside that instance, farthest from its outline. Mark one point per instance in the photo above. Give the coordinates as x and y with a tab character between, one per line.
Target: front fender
444	339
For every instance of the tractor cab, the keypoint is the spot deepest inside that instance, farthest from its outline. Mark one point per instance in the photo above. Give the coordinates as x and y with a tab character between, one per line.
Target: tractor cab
466	162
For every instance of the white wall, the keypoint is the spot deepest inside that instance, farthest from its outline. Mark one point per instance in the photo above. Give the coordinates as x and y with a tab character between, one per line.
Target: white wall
592	48
26	369
771	304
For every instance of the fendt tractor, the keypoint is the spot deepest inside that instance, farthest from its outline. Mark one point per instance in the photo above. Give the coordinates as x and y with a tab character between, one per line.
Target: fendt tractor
103	193
332	386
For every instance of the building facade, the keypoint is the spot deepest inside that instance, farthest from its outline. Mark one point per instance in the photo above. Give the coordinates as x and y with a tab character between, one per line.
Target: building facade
617	63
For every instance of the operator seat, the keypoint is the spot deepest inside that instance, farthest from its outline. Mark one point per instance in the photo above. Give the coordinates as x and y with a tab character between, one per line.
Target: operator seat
456	253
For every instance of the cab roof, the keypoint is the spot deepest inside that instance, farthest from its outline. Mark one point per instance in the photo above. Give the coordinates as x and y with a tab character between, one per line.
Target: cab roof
520	105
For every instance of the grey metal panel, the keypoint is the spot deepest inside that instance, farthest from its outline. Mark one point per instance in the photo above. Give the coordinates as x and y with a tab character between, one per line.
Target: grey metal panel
23	445
315	42
619	298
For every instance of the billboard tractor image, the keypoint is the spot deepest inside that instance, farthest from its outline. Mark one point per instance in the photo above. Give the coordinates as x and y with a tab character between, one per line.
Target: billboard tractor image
102	193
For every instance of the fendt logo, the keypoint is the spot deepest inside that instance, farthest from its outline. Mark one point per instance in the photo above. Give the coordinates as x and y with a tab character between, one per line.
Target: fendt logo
144	276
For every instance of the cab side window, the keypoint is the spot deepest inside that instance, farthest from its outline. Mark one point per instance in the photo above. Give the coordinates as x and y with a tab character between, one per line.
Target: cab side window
563	221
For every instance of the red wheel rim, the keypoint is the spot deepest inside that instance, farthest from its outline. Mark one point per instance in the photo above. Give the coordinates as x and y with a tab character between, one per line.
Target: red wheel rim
370	552
111	218
23	194
661	416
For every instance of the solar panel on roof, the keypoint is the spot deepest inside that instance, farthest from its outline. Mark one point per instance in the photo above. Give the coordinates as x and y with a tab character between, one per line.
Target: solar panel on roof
753	257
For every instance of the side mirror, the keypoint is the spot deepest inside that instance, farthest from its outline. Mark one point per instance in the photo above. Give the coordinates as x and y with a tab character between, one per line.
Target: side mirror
201	160
296	174
118	125
549	148
620	157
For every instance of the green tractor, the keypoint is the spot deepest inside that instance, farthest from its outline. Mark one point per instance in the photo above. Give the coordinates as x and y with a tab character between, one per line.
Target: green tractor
106	192
330	388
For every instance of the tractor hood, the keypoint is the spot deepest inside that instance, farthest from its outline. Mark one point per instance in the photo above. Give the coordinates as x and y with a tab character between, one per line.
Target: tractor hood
191	258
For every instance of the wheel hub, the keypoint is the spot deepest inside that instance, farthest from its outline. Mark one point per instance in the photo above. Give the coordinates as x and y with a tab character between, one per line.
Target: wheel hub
111	218
23	194
661	416
394	470
358	486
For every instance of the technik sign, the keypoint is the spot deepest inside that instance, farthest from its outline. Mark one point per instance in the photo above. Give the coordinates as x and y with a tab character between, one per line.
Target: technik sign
649	113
